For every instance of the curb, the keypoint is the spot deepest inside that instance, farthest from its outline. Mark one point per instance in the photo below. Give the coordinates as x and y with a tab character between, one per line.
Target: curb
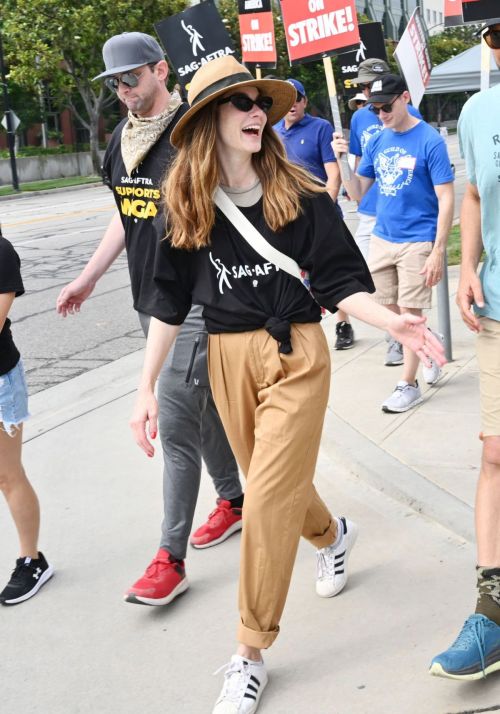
384	472
62	189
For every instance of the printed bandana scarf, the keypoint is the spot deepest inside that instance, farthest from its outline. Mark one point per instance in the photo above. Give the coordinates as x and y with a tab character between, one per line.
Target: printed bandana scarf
141	133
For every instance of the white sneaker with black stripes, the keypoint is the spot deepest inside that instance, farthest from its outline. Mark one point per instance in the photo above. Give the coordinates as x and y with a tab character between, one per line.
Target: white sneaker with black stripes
244	682
332	561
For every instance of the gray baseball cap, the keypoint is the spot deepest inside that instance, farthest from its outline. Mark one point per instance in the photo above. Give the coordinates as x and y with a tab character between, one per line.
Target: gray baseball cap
371	69
124	52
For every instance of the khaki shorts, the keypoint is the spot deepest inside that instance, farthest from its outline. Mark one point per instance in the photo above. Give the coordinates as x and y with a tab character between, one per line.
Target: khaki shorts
488	357
395	269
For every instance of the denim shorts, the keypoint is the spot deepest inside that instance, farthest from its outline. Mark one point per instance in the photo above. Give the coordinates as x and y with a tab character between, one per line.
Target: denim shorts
13	399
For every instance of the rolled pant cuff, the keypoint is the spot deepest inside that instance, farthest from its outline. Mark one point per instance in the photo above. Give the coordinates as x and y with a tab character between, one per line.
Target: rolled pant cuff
252	638
327	538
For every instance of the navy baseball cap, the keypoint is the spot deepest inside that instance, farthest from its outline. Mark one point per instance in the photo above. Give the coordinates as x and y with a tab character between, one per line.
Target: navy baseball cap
124	52
298	86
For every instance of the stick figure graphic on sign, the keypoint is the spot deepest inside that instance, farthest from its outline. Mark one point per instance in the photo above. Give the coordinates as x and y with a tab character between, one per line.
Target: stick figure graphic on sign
360	54
195	38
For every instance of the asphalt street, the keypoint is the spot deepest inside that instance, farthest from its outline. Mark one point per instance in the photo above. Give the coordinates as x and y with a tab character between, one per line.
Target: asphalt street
55	234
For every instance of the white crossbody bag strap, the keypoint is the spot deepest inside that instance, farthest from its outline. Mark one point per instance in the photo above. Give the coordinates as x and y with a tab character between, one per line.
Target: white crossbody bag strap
254	237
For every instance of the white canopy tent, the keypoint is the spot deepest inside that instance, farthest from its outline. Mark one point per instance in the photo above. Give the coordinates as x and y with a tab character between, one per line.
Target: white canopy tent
461	73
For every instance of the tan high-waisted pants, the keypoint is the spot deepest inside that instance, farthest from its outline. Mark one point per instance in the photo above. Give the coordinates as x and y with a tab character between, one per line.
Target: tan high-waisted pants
272	407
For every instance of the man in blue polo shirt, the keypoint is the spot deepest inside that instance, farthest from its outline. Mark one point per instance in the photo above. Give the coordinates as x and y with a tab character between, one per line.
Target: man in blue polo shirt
307	142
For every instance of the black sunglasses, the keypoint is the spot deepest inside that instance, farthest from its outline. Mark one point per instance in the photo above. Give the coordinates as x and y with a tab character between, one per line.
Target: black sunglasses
387	108
129	79
492	38
364	86
245	104
357	102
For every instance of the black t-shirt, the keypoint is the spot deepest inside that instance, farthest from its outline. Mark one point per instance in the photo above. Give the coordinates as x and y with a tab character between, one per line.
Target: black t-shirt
137	197
10	282
240	290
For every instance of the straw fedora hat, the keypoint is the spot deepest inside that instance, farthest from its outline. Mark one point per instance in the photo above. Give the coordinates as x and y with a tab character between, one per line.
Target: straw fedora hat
220	75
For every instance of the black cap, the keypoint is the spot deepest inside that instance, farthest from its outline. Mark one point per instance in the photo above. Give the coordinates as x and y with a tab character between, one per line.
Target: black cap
386	88
487	24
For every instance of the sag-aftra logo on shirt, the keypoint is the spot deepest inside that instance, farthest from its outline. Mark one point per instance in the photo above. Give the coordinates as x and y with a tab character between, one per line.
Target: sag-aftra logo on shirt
239	271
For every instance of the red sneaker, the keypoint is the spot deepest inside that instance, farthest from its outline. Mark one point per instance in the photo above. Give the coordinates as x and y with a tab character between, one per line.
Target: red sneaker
164	579
222	522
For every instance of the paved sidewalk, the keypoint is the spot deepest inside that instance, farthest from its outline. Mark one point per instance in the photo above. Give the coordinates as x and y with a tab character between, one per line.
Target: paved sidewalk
408	480
78	649
427	457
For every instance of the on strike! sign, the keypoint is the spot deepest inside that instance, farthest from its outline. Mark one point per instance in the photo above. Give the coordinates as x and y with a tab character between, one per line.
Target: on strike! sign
452	13
413	57
479	10
258	47
319	28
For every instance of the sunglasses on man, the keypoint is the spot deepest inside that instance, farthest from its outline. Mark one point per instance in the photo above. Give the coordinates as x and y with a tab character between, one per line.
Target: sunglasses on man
492	38
244	104
386	108
128	79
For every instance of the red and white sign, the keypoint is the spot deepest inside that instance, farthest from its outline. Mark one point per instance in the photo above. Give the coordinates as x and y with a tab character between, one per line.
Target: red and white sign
258	46
319	28
413	57
452	13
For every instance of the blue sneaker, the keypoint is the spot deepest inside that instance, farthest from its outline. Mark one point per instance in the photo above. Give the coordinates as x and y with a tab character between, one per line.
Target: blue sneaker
474	654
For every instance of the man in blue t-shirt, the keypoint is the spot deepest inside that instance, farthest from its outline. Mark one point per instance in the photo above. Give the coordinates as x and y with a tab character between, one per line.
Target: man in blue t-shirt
476	651
409	163
365	124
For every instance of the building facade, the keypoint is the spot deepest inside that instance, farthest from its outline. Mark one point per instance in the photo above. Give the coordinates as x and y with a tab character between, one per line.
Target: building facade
393	14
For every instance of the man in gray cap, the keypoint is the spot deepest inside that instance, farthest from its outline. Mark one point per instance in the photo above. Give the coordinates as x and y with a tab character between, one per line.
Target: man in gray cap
476	651
364	125
136	159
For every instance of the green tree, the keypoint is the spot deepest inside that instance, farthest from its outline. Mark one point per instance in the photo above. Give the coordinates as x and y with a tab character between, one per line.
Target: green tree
60	41
452	42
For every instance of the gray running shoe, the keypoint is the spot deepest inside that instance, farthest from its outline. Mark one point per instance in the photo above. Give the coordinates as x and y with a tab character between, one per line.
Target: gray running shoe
394	355
404	397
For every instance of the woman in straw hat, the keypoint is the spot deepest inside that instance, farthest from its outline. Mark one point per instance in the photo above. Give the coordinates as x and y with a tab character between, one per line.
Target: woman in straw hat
269	360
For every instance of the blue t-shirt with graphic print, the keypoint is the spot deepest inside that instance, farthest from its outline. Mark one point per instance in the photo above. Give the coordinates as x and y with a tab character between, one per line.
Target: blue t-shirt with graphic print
364	125
479	135
406	166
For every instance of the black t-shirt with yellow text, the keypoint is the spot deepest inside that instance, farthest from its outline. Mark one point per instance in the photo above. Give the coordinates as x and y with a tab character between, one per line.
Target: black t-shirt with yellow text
137	198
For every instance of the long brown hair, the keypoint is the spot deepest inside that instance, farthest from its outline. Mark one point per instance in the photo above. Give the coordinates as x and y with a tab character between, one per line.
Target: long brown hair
189	185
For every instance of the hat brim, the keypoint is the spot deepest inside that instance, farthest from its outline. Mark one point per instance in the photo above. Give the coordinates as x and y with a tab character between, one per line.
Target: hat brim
383	98
366	79
283	93
118	70
352	102
489	23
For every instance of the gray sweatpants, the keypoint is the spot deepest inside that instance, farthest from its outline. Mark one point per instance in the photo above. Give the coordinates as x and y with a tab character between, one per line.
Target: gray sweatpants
190	429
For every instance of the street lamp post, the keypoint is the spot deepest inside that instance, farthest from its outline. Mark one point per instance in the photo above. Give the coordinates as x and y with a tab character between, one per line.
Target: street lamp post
10	122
